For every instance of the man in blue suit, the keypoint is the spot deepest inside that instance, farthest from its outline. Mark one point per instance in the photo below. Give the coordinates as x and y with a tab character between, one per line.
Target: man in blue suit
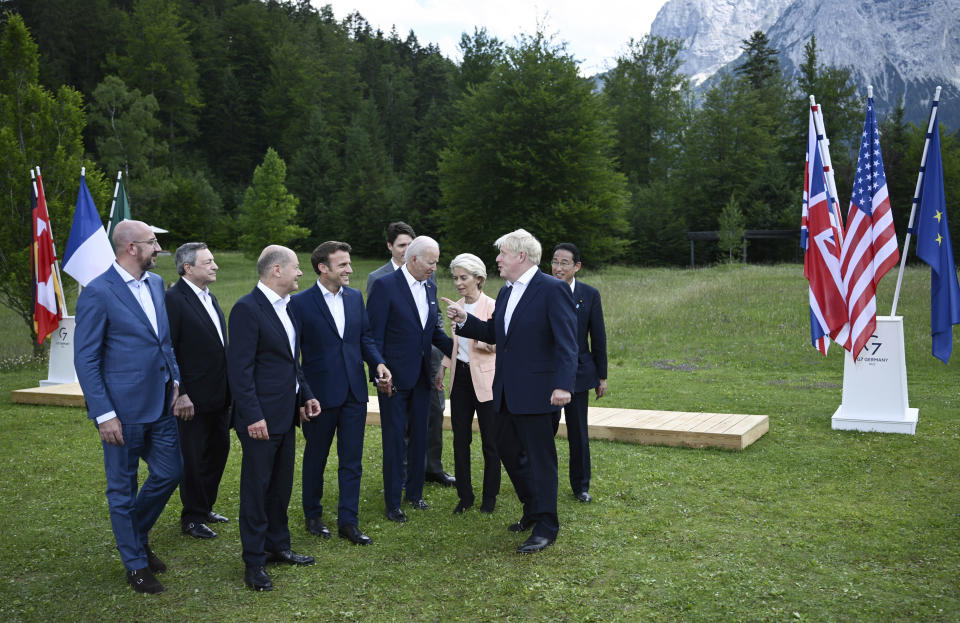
403	315
335	340
269	392
128	373
591	364
534	329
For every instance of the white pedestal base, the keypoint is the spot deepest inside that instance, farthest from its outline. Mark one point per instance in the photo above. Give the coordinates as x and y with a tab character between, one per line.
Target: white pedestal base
875	386
60	368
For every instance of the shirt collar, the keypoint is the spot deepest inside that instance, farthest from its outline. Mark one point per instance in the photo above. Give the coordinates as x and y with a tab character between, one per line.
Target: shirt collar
525	278
410	278
394	264
573	284
326	292
127	277
272	296
193	286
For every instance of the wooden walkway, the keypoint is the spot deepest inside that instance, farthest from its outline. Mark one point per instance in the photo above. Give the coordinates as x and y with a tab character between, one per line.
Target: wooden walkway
666	428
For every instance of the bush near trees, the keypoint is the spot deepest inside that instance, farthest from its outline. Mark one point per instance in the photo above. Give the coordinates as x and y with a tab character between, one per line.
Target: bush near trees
186	97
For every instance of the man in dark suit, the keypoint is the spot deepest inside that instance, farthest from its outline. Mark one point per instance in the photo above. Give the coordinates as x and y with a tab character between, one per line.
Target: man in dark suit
405	321
534	329
399	235
198	331
335	341
591	364
129	377
268	389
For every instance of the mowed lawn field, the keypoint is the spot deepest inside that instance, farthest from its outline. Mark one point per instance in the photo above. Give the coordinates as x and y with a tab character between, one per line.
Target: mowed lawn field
807	524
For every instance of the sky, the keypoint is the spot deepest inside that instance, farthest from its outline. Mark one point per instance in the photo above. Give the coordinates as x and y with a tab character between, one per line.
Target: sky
596	31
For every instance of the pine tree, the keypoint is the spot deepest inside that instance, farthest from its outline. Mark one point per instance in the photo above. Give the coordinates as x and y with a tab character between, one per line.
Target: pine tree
268	210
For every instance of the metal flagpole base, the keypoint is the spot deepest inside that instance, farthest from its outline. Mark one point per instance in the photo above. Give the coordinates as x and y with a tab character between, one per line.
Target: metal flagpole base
875	387
60	368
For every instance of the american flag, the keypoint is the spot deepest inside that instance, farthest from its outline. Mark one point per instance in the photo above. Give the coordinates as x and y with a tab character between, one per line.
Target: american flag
820	236
870	247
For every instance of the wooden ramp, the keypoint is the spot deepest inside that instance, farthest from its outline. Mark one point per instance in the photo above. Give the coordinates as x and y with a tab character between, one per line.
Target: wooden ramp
666	428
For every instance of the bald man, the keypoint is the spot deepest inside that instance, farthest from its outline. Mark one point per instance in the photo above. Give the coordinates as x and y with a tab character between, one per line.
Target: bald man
268	389
128	373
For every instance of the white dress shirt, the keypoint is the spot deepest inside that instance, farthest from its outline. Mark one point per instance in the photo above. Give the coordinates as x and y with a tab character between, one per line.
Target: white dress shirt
519	287
207	302
463	346
334	301
417	288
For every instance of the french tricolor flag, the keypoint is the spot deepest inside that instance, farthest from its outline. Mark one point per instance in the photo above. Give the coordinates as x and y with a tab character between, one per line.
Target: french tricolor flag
88	253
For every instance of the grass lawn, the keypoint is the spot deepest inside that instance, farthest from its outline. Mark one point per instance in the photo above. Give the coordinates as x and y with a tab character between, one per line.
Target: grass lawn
807	524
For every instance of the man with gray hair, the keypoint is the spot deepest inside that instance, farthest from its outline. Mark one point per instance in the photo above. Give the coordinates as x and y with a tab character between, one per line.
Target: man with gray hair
534	328
198	331
405	323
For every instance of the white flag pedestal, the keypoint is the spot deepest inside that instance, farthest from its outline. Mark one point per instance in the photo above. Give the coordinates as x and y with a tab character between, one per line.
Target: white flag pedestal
875	387
60	368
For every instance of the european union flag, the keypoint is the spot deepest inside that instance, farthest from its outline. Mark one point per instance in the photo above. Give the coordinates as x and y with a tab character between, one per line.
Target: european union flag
934	248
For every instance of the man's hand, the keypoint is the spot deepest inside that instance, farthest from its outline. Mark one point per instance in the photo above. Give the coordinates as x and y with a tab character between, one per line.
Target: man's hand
258	430
438	380
311	409
384	380
601	388
559	397
111	431
183	407
455	311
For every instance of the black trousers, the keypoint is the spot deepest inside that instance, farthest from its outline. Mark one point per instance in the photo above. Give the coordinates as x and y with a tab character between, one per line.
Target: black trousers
575	416
205	445
463	404
529	455
266	483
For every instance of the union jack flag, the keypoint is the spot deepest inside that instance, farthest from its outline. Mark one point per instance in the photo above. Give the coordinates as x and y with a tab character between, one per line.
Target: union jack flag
870	248
821	233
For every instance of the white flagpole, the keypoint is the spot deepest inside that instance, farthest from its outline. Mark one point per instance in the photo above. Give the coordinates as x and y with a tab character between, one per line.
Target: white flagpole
824	144
116	189
916	198
56	262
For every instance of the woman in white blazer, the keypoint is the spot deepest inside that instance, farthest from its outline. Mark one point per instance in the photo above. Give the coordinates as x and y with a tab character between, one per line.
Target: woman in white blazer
471	383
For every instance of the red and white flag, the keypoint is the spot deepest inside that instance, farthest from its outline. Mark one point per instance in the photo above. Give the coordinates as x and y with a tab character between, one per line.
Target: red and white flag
46	313
870	247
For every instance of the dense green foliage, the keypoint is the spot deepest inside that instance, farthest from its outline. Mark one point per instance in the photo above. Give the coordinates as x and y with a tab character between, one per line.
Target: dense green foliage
186	97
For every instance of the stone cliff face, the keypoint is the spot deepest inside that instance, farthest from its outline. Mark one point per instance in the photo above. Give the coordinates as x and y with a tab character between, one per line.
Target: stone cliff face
904	48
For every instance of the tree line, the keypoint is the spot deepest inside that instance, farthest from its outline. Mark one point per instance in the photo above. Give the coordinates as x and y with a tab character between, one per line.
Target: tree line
241	122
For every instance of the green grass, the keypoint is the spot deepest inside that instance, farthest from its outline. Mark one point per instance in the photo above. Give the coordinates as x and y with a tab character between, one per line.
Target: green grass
807	524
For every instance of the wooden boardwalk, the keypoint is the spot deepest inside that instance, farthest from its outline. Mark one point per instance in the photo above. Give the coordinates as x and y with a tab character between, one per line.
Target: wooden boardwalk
666	428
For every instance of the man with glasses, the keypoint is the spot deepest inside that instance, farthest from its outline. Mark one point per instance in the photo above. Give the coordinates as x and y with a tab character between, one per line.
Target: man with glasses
129	376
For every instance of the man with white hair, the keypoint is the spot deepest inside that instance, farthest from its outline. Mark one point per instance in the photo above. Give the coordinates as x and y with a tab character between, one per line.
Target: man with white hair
402	307
534	328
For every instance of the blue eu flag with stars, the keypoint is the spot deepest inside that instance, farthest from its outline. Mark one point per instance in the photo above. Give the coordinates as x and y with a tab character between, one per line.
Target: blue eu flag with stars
934	248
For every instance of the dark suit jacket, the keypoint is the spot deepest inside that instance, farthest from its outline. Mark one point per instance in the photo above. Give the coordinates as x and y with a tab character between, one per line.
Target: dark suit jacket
121	363
539	353
333	366
592	359
263	373
403	342
200	354
383	271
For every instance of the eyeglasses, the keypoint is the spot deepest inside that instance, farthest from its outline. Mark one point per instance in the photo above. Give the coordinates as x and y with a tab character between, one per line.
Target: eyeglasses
151	242
563	263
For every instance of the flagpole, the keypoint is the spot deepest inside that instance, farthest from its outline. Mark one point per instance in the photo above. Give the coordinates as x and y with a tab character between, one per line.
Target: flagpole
58	280
916	198
824	143
116	189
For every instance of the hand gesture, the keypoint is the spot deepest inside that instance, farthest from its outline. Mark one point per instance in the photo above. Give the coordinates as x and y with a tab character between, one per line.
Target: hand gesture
455	311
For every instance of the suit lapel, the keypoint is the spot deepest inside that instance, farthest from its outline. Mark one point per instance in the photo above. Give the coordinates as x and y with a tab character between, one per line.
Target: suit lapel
122	291
273	320
323	308
529	293
407	295
193	302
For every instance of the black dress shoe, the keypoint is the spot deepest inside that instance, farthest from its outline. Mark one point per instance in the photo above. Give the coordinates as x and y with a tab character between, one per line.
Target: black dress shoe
353	534
420	505
534	544
441	477
143	581
396	515
290	557
215	517
198	530
155	564
521	526
316	526
257	579
461	506
584	497
488	505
